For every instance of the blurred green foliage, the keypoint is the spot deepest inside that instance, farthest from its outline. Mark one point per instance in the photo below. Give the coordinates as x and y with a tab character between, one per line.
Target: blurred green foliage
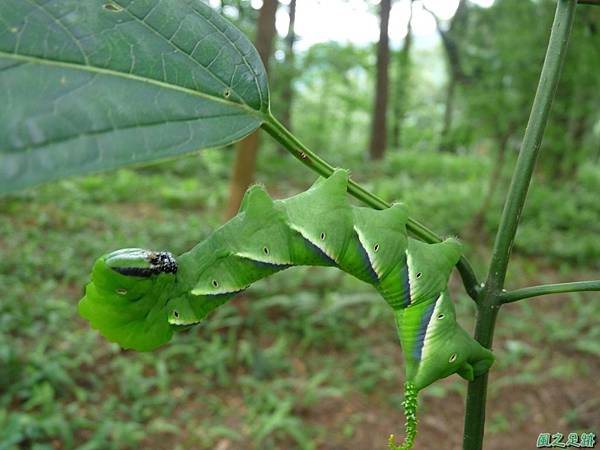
256	372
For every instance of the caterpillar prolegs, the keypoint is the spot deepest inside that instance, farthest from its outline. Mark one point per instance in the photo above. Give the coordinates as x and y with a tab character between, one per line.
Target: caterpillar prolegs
138	298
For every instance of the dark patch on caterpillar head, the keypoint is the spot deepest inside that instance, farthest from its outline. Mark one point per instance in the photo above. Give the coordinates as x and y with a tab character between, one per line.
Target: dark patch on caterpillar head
160	262
144	272
164	262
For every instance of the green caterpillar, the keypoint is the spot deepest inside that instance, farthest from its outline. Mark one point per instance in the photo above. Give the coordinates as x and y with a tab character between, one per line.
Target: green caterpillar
138	298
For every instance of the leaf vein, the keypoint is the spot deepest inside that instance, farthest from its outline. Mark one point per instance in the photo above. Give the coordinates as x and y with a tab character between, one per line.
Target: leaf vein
177	47
233	43
57	21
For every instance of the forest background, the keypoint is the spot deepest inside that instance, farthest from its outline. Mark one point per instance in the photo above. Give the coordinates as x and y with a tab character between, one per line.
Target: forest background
426	103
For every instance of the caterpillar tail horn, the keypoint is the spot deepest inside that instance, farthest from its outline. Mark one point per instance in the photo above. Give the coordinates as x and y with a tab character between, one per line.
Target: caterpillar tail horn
410	414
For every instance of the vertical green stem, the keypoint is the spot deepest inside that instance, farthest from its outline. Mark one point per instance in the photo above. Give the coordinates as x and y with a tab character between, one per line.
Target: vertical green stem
490	301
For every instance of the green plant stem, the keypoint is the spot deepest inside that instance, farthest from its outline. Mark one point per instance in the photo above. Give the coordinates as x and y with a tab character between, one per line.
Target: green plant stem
490	300
545	289
316	163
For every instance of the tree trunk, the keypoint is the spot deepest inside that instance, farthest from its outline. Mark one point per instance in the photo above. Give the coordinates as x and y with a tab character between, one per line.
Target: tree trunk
322	124
379	128
479	218
584	100
577	133
447	144
288	92
241	11
562	117
450	41
346	131
402	80
247	149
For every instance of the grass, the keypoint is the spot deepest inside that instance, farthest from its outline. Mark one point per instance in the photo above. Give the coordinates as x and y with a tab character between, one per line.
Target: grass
307	359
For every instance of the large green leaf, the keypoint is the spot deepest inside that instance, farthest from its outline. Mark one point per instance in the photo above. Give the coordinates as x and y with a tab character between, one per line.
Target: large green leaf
90	85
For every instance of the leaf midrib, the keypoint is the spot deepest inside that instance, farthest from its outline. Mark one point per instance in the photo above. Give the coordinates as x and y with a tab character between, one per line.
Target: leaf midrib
131	77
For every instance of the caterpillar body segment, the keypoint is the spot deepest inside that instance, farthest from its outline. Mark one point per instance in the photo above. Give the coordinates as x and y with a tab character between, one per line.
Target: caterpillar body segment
138	298
382	236
435	346
429	267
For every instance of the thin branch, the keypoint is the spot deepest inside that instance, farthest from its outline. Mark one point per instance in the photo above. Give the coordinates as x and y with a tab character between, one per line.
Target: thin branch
316	163
545	289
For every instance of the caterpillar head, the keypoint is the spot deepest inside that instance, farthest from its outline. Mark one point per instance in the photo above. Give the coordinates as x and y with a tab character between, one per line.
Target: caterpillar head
127	298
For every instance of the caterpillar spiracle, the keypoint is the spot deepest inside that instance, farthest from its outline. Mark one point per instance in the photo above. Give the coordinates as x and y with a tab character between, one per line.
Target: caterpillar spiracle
138	298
